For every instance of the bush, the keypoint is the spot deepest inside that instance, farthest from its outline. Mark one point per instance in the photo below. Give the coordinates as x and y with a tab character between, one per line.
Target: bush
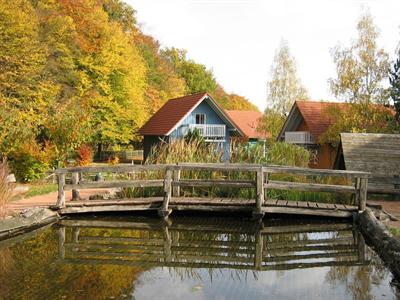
84	155
5	187
31	162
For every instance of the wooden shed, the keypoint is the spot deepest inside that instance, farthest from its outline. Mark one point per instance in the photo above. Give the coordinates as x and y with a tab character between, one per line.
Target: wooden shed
378	154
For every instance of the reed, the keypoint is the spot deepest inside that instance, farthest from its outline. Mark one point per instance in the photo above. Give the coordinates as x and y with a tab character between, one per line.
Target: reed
6	188
196	150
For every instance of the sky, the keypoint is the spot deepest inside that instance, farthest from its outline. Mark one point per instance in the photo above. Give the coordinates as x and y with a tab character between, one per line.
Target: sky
238	39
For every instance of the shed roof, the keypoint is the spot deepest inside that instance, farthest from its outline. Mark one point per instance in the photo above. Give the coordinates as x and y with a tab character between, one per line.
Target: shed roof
247	121
371	152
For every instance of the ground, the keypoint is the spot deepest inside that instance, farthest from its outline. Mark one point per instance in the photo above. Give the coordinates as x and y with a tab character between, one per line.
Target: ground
48	199
393	208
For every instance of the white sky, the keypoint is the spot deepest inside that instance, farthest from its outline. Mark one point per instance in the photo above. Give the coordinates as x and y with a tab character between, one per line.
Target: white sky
237	39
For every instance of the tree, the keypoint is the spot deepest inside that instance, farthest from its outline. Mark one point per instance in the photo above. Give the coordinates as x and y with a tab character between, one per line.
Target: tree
357	117
285	87
271	122
395	85
197	77
362	68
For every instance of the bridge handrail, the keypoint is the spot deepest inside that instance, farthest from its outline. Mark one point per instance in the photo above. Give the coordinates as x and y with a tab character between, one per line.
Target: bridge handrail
172	183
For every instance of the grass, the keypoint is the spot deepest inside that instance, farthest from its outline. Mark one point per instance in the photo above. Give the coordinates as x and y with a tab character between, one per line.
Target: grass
198	151
40	189
395	231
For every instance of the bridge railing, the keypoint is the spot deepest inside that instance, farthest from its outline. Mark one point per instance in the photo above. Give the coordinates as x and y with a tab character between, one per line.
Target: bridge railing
171	181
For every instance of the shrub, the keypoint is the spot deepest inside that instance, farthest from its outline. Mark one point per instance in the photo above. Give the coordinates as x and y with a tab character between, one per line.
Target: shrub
84	155
31	161
5	187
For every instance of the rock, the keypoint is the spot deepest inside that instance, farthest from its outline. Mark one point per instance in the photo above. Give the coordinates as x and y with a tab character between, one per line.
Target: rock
11	178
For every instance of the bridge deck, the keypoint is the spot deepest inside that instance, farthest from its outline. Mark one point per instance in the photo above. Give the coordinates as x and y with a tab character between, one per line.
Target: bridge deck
210	204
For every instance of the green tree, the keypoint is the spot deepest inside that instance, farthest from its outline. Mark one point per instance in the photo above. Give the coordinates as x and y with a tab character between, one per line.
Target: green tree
362	68
395	85
197	77
285	87
271	123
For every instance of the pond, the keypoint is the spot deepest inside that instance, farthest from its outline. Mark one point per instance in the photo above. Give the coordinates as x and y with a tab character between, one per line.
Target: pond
193	257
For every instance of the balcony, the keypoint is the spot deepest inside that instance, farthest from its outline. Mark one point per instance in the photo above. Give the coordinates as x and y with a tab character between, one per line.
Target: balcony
299	137
211	132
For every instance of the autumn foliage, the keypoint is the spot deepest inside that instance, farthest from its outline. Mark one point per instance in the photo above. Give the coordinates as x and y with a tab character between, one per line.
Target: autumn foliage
85	155
79	72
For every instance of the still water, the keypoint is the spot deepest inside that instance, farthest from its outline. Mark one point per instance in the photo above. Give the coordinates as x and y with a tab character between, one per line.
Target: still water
193	258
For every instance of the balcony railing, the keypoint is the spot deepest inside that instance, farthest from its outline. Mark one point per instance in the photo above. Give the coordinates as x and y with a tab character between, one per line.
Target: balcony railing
208	131
299	137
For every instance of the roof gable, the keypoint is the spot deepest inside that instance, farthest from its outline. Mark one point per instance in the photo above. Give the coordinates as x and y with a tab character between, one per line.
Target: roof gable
314	114
174	111
170	114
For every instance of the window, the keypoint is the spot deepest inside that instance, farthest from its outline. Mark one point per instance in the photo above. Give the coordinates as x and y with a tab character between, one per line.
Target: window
200	118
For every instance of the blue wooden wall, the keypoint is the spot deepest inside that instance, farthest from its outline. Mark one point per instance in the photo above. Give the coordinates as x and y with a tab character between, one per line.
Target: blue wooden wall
211	118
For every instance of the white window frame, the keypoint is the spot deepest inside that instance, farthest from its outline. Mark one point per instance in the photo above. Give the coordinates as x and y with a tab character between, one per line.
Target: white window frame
204	119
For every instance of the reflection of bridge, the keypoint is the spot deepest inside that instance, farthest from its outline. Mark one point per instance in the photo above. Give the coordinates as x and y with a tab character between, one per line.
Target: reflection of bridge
185	245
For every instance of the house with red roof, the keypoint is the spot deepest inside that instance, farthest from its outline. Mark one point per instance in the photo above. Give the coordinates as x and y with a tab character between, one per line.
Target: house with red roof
247	121
181	115
306	123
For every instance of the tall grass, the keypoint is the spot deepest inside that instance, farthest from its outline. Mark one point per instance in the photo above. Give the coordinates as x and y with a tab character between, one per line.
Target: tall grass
197	151
5	188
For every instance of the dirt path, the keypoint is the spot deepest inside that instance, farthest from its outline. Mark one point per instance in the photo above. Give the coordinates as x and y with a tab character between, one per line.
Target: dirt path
48	199
393	208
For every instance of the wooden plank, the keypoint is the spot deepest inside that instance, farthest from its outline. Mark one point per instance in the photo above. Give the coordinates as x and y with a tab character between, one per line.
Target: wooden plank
307	211
312	204
319	172
116	184
213	183
121	168
108	208
212	201
135	201
213	208
312	256
311	187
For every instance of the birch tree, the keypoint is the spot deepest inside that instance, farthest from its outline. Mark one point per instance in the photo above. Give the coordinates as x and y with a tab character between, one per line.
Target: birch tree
284	87
363	68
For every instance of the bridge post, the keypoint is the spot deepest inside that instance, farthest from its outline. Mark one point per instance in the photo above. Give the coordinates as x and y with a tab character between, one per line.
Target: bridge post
362	203
61	192
75	180
176	189
164	211
258	213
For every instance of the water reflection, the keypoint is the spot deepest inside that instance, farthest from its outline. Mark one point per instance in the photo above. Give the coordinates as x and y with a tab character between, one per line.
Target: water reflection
193	258
233	245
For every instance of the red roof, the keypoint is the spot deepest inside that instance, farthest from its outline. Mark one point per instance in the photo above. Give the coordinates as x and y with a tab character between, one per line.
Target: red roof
315	115
169	115
247	121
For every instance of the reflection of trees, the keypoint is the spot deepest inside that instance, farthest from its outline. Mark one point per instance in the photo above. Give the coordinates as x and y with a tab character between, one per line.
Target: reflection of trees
359	279
36	275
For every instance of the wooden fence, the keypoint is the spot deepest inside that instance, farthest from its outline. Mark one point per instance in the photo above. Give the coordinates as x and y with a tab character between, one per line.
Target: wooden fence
172	182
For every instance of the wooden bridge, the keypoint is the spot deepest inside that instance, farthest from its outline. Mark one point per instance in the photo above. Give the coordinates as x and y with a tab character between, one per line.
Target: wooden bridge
175	181
215	243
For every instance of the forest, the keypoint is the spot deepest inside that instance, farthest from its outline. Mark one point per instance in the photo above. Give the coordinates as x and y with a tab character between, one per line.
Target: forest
81	72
